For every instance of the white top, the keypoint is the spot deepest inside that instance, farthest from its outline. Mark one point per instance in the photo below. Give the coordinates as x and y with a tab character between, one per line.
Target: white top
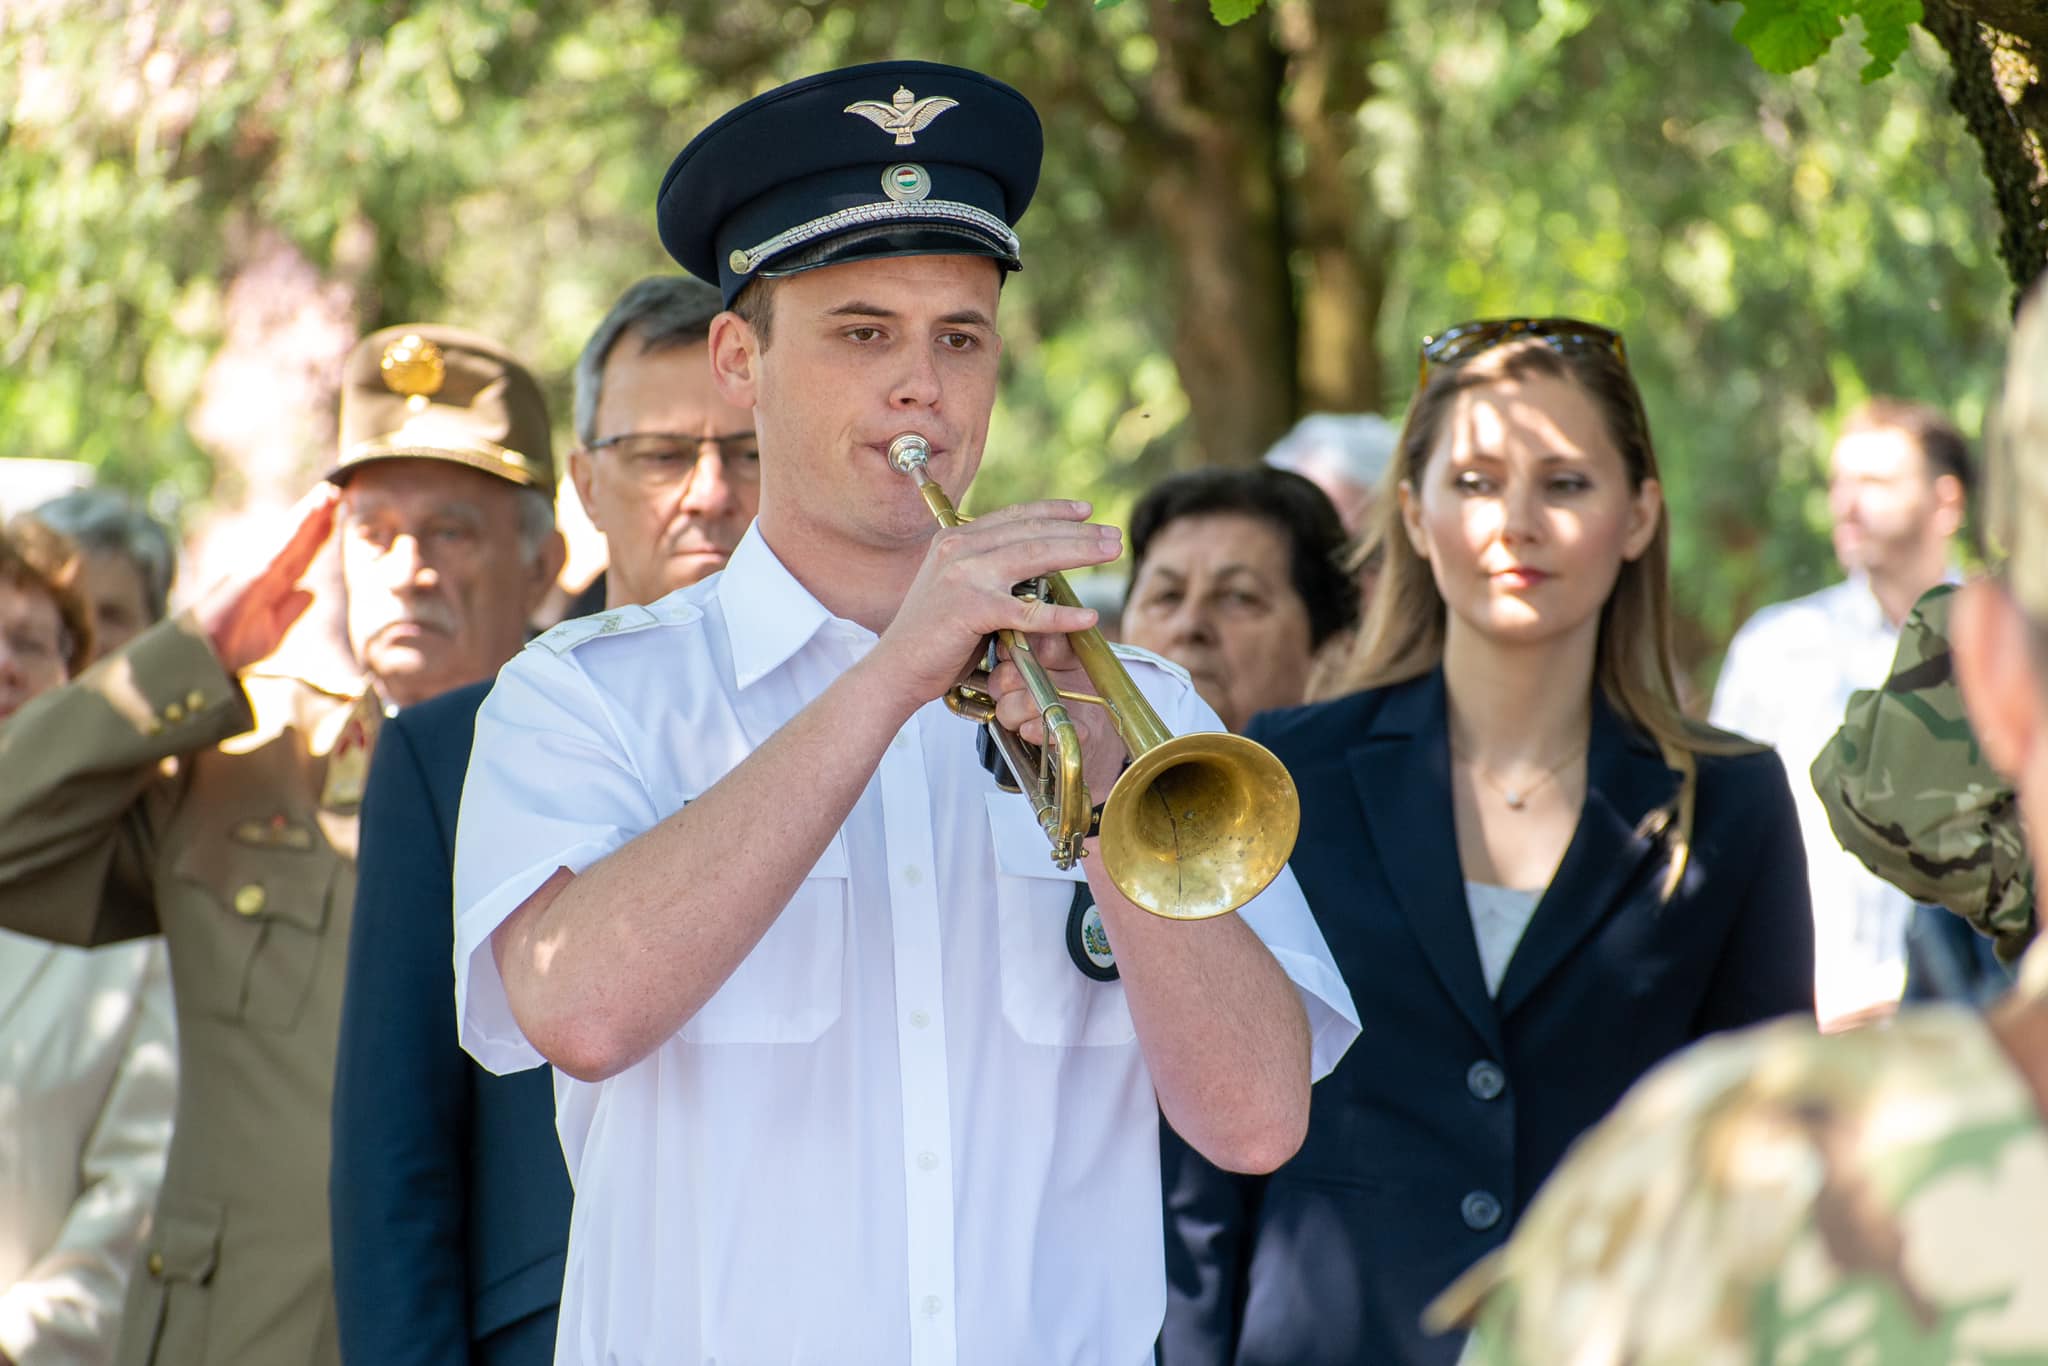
907	1128
1786	682
1499	916
88	1084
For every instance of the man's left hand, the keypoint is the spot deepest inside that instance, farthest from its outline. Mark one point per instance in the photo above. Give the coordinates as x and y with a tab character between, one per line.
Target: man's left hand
1102	748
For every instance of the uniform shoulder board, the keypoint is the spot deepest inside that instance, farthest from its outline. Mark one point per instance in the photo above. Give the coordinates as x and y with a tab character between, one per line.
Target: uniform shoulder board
566	636
1139	654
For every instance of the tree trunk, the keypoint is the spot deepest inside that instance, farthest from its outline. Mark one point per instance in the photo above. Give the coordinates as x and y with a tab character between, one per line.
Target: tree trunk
1996	48
1341	245
1213	197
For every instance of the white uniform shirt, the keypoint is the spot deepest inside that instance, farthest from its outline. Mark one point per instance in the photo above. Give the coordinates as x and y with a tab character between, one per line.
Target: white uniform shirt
1786	682
907	1128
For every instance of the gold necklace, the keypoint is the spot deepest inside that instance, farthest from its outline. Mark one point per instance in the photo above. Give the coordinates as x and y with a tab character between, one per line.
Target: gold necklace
1517	797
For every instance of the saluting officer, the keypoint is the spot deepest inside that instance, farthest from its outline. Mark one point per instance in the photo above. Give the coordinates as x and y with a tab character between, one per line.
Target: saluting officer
203	781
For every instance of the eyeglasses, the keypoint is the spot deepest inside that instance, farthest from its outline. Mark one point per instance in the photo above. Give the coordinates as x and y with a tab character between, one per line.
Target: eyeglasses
1560	334
668	460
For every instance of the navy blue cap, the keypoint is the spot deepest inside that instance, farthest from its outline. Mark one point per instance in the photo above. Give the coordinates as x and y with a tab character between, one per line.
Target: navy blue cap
885	159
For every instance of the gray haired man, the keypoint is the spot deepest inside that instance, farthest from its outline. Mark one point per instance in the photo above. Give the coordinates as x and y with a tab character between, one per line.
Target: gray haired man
667	470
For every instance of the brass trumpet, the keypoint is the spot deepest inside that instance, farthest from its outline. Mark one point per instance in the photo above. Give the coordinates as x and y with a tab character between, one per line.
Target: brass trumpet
1196	826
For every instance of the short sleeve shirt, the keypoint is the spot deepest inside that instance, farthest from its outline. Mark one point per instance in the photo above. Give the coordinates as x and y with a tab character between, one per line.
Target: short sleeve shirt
908	1128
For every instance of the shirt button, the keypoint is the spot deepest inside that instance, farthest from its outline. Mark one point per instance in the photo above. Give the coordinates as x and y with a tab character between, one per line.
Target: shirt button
249	899
919	1019
930	1306
1485	1080
156	1264
912	875
1480	1210
927	1161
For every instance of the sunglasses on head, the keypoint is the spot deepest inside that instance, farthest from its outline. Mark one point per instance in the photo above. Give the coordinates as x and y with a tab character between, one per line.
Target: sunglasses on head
1467	340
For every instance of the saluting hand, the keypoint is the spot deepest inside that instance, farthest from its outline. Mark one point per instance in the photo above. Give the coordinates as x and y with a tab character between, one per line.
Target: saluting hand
247	613
963	589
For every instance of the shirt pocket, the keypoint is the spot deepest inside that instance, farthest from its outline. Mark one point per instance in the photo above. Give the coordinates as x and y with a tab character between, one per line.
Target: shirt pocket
248	931
175	1274
788	989
1047	999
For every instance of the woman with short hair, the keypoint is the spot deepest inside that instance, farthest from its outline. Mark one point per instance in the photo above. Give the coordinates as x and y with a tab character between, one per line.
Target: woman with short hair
1237	576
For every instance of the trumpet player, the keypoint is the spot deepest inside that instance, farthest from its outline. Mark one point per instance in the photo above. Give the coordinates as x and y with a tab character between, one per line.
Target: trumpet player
836	1083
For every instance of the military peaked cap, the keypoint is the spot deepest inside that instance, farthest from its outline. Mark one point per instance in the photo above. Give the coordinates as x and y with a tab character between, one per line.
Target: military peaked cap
885	159
422	391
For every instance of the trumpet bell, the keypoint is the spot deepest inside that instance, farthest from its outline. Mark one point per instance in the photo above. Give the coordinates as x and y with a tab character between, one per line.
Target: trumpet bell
1197	826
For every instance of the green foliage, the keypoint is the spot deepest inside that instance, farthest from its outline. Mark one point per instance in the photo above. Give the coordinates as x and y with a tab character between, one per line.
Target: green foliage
1786	35
1228	12
1775	247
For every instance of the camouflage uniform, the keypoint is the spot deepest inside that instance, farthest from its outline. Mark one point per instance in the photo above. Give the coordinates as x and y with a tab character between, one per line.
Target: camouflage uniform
1775	1196
1875	1198
1907	791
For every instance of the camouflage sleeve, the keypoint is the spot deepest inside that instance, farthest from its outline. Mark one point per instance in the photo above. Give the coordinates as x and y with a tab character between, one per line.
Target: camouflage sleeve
1908	792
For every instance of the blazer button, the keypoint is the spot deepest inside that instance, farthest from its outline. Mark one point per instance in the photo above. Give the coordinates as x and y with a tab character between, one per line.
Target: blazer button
1480	1210
156	1264
249	899
1485	1080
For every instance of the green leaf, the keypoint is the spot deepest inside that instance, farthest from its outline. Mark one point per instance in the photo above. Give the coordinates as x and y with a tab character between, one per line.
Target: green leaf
1887	27
1034	4
1785	35
1230	12
1102	4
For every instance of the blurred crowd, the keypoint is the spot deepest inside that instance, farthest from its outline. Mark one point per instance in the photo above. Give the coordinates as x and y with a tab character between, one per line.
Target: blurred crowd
239	1124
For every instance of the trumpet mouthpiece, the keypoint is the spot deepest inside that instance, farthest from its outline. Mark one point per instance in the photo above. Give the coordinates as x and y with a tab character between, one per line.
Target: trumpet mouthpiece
908	451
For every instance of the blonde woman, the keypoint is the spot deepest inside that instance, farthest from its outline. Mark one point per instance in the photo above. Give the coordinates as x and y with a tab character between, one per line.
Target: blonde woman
1537	876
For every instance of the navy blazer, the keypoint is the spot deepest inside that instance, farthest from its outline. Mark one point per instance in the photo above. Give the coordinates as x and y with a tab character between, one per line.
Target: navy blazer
450	1196
1437	1126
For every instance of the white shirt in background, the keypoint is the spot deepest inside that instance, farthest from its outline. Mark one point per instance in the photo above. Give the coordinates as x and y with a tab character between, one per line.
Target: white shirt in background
1786	682
907	1128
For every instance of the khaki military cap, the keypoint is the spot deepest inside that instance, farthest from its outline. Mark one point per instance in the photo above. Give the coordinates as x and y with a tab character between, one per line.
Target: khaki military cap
2017	492
422	391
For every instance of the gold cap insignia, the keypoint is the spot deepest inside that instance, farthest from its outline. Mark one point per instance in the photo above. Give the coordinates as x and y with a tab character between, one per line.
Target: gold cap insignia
413	366
905	114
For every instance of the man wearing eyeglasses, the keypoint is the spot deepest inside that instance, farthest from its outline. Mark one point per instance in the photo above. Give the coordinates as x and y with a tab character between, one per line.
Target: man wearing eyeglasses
450	1197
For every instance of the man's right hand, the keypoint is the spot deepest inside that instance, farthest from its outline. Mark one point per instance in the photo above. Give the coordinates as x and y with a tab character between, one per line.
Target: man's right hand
963	590
247	613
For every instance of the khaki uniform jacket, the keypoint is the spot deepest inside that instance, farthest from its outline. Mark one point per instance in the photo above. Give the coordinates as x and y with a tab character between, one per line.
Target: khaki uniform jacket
155	792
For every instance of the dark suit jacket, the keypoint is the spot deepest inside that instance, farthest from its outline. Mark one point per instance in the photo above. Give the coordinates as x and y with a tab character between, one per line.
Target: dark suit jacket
1436	1128
449	1192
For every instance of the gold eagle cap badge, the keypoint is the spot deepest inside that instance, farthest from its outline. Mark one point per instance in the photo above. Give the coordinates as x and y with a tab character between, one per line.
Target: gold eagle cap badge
905	114
413	366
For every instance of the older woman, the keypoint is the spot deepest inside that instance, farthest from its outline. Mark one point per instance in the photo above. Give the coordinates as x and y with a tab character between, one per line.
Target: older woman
126	562
1237	576
87	1075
